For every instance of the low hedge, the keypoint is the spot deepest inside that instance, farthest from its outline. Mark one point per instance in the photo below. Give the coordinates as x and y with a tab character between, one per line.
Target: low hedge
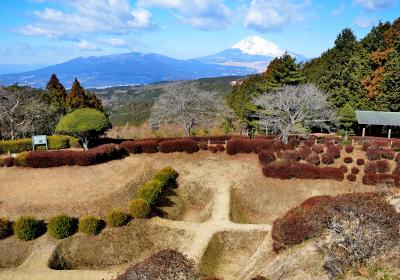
180	145
20	159
90	225
348	159
61	226
142	146
355	170
351	177
318	148
314	159
379	166
166	176
327	159
266	157
7	162
27	228
377	179
5	228
55	142
360	161
139	208
349	149
151	191
374	154
100	154
117	218
247	146
285	170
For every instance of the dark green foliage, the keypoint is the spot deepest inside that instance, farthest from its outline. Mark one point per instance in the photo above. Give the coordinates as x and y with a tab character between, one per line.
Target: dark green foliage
27	228
90	225
57	93
364	74
282	71
166	176
347	117
117	218
84	124
61	226
5	228
139	208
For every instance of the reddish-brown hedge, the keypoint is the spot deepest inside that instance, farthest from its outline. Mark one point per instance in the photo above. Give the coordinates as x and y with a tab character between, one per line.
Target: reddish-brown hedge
355	170
313	216
396	171
203	146
180	145
360	161
376	179
100	154
238	145
365	147
379	166
374	154
388	153
213	149
396	146
379	144
398	157
344	168
141	146
349	149
334	150
288	170
348	159
351	177
291	155
220	148
314	159
327	159
266	157
304	152
8	162
318	148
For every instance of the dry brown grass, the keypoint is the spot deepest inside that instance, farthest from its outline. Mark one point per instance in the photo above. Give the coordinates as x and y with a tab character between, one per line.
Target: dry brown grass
14	252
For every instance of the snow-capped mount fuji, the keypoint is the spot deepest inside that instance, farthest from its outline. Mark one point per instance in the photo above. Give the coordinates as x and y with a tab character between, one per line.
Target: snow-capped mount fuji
252	52
255	45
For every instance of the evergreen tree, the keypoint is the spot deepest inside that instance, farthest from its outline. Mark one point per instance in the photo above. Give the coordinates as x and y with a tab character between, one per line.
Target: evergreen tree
56	92
282	71
347	117
241	97
76	98
375	39
92	101
390	85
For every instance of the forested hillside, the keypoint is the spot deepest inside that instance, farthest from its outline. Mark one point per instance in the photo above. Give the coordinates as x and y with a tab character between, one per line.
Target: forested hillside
365	74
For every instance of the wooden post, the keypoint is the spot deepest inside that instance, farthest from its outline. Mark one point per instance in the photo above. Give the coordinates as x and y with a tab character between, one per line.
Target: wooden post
363	132
390	133
266	129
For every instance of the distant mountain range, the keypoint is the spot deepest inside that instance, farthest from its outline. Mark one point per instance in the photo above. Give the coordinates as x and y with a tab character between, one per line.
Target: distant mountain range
249	56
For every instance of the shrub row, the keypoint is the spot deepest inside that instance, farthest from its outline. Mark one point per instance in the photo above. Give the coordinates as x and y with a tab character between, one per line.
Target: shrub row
379	166
284	170
55	142
318	148
104	153
143	146
377	179
376	154
266	157
238	145
180	145
149	194
314	159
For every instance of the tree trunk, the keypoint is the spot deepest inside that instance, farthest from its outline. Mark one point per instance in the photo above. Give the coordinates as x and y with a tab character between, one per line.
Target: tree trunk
285	136
85	142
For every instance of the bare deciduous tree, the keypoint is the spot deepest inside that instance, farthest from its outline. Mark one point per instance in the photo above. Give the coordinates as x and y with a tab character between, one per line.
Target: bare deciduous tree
23	112
183	106
294	108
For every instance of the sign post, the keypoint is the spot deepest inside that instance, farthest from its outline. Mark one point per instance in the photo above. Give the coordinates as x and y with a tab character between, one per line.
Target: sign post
39	140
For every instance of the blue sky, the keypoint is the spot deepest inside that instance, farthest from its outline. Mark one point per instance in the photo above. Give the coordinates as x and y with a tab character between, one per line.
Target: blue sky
53	31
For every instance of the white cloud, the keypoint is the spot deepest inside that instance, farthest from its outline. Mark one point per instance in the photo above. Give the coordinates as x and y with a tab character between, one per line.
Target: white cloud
202	14
272	15
339	11
364	21
85	45
374	5
87	17
115	42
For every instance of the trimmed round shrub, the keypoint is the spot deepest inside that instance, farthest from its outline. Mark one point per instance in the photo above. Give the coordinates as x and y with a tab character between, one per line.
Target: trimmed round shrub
360	161
139	208
348	160
27	228
117	218
355	170
84	123
343	168
374	154
349	149
151	191
351	177
90	225
266	157
220	148
61	226
5	228
213	149
327	159
166	176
